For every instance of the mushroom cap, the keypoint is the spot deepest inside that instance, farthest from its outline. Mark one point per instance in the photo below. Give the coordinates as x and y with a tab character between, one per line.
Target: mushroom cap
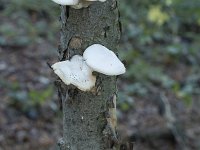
66	2
102	60
96	0
75	72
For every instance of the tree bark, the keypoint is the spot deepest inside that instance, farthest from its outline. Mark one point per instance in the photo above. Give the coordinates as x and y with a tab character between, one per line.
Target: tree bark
89	118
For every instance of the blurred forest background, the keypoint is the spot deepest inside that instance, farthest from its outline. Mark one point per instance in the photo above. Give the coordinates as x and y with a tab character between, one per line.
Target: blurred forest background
159	96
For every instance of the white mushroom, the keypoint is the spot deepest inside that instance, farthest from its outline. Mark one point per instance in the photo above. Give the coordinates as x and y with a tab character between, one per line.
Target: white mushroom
77	4
75	72
66	2
78	71
96	0
102	60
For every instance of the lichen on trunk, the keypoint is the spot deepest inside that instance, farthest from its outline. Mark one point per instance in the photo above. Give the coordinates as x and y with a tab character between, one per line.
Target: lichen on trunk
89	117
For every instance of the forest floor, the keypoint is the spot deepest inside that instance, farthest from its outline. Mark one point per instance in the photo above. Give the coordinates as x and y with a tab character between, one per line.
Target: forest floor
156	120
28	125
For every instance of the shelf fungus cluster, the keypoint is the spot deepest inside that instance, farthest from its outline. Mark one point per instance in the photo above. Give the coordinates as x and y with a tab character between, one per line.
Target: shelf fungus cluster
78	70
77	4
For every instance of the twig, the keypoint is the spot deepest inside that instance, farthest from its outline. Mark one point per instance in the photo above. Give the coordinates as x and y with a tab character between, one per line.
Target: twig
172	123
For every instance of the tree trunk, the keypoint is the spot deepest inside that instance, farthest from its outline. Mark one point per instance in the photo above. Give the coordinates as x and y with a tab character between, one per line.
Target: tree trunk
89	118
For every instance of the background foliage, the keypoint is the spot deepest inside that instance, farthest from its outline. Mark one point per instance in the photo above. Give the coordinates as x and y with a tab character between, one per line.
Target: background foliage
159	35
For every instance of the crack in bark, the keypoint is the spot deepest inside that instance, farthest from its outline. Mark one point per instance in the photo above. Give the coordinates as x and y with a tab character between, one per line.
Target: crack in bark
106	29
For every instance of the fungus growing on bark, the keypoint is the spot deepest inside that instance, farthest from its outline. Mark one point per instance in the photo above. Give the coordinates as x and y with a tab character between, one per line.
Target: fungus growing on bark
77	4
66	2
75	72
78	70
103	60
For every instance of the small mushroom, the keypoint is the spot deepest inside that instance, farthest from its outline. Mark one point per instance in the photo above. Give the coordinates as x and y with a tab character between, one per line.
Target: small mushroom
76	4
103	60
66	2
96	0
75	72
